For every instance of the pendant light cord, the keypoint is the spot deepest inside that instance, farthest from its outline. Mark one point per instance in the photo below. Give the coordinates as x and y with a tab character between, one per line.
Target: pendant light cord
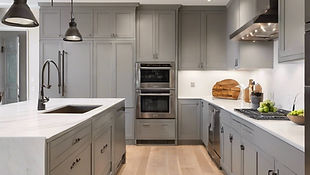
72	17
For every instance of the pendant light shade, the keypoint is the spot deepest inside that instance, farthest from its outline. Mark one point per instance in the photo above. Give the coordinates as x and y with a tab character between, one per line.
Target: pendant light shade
73	34
20	15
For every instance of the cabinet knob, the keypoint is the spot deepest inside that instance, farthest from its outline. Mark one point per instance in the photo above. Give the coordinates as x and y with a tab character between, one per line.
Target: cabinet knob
242	147
231	138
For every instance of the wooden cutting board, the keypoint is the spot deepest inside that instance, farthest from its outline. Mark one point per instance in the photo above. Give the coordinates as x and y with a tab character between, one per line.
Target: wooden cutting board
227	89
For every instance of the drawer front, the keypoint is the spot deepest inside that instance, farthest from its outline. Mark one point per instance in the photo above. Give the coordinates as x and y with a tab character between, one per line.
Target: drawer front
102	151
99	123
152	129
67	144
77	164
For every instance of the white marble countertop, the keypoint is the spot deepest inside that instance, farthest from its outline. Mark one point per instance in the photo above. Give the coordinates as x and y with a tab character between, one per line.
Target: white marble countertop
23	120
287	131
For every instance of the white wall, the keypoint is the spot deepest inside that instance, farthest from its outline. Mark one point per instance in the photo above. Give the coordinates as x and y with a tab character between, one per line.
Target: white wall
280	84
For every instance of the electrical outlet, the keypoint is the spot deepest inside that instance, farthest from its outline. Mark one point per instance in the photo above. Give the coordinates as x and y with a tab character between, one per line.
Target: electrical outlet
193	84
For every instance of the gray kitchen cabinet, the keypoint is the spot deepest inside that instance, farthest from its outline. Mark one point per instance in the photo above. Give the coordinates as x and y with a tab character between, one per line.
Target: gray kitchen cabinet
114	62
102	148
130	115
249	157
236	160
114	23
49	49
155	129
83	17
118	139
226	157
50	23
265	163
189	119
281	169
78	66
202	39
156	34
190	40
205	122
291	30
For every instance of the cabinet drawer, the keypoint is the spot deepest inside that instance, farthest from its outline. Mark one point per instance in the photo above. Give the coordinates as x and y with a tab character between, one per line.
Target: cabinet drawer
67	144
155	129
102	151
100	122
77	164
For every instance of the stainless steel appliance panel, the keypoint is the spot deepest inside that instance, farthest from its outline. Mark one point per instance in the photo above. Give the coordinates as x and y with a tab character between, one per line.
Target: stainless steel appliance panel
214	135
155	75
156	103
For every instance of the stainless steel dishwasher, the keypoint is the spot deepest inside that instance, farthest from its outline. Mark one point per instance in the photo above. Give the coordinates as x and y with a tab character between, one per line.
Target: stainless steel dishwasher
214	149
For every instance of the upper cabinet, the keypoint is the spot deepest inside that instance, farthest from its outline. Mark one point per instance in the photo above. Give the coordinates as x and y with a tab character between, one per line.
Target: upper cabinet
156	33
202	42
114	23
107	20
291	30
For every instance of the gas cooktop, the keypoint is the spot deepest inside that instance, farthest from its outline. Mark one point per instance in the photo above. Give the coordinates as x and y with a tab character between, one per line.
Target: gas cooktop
253	113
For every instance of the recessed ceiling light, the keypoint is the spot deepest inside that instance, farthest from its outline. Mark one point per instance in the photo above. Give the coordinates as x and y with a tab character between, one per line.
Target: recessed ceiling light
209	0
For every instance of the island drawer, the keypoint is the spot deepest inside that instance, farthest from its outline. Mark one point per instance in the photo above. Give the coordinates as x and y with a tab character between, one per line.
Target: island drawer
155	129
99	122
64	146
77	164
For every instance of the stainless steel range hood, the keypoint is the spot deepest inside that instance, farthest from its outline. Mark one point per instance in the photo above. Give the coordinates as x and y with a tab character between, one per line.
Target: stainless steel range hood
263	27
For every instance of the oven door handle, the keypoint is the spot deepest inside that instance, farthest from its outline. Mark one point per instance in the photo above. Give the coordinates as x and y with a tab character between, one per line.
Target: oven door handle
153	94
155	68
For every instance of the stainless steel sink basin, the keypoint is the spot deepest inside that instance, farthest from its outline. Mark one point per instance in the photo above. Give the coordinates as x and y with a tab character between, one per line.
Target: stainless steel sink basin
73	109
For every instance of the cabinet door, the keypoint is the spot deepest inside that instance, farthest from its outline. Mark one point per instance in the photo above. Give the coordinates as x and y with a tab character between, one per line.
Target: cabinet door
118	135
249	158
125	72
215	55
83	18
104	23
205	123
226	147
49	49
78	66
236	153
124	23
50	23
189	119
165	36
282	169
130	114
265	163
146	36
102	151
104	61
190	40
291	30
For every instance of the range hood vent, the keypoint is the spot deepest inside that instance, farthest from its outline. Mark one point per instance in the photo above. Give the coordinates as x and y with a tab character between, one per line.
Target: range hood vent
263	27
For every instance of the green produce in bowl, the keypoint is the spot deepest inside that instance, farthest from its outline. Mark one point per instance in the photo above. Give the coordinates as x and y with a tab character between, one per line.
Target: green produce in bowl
299	112
267	106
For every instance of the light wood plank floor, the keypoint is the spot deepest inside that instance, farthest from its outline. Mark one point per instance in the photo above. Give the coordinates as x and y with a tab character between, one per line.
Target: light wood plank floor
168	160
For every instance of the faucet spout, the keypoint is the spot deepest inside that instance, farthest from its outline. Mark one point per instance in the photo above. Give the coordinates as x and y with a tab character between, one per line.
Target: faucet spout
43	99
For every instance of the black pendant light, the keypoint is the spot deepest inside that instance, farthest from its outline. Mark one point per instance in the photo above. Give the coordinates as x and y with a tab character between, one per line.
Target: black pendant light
20	15
73	34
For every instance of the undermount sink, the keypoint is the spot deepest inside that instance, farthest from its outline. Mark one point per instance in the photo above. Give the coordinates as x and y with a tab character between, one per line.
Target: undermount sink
72	109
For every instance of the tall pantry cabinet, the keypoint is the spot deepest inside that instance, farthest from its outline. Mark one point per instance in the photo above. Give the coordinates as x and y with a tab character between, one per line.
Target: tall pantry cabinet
103	64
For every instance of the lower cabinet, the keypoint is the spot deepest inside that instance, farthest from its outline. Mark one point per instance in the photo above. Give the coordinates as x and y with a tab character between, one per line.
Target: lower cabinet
265	164
189	119
155	129
205	115
248	157
95	147
281	169
130	114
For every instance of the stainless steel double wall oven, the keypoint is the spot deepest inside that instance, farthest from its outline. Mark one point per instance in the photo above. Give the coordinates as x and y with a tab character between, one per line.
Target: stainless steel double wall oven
155	90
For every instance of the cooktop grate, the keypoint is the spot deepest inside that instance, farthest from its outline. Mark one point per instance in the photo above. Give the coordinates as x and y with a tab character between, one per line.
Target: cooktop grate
253	113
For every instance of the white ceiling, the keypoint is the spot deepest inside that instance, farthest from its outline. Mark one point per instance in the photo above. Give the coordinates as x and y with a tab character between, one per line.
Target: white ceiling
34	3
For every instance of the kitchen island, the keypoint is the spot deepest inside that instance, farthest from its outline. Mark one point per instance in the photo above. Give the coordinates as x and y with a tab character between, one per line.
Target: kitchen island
38	142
